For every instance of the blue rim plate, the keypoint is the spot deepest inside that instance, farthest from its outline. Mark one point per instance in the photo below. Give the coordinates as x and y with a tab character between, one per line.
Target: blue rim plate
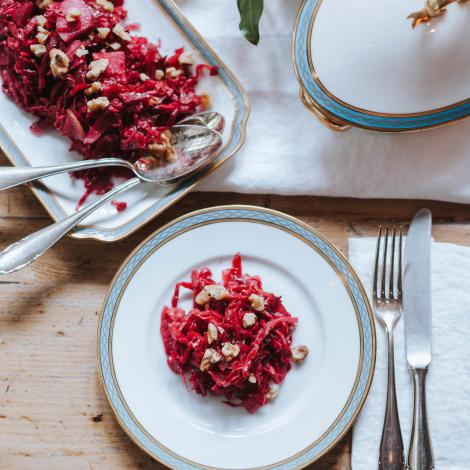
339	114
215	222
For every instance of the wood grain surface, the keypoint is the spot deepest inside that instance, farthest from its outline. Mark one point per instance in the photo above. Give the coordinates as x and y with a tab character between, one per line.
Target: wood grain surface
53	412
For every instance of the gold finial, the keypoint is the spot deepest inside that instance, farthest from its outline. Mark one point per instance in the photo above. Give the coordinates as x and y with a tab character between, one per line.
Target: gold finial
432	8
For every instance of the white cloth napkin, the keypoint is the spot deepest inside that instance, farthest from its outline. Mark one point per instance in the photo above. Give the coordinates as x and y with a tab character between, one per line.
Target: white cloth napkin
288	152
448	383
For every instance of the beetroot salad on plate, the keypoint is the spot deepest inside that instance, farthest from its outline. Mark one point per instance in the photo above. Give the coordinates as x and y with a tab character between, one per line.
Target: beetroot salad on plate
78	67
235	342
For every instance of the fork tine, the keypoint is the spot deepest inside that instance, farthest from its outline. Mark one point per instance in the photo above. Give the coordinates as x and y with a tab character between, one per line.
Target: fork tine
376	264
384	265
391	290
400	276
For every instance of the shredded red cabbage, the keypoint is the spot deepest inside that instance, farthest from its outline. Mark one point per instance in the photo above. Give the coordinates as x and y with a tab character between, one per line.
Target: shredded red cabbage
236	342
78	67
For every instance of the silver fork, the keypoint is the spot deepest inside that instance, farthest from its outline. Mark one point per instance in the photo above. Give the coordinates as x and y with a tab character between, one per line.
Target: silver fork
388	302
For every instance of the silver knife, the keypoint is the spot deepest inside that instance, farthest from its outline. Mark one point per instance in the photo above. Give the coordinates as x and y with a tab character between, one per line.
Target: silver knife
418	321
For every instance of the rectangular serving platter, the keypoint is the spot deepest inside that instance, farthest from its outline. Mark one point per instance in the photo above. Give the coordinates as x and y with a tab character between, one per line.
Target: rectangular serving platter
159	20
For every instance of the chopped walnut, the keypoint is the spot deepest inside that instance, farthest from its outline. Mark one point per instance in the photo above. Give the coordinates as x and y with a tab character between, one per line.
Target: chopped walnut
96	68
59	63
40	20
38	49
252	378
217	292
211	356
42	36
186	58
73	15
205	100
271	395
202	298
212	333
105	5
172	72
81	52
94	88
144	77
299	353
163	150
230	351
249	319
103	32
159	75
98	104
121	32
257	302
115	46
43	4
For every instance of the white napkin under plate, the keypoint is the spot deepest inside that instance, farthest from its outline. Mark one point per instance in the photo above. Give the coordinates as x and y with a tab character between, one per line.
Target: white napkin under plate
289	152
448	383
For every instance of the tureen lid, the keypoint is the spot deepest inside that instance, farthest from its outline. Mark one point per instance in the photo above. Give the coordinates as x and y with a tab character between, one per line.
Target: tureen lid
362	62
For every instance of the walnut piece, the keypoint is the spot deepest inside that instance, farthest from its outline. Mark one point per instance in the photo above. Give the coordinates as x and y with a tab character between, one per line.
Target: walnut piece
42	36
115	46
81	52
249	319
164	149
105	5
186	58
98	104
271	395
40	20
96	68
217	292
159	75
212	333
202	298
95	87
230	351
73	15
299	353
59	63
121	32
211	356
38	49
43	4
103	32
252	378
172	72
257	302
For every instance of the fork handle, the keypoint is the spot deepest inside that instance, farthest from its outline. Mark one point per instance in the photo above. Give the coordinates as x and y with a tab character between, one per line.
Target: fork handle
420	455
391	446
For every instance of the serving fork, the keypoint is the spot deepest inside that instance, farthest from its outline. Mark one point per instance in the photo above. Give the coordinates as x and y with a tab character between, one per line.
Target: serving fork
387	293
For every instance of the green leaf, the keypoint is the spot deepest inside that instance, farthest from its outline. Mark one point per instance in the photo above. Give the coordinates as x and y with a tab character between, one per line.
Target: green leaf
250	14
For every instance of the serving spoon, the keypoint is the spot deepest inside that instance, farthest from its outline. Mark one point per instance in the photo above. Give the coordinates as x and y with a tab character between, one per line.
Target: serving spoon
195	145
14	176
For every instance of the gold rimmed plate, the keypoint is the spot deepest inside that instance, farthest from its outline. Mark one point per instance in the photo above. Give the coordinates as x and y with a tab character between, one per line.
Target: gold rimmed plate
317	403
361	63
159	20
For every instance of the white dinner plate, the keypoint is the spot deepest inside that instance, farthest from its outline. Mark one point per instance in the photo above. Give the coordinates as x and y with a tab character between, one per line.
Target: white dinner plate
318	401
159	20
360	63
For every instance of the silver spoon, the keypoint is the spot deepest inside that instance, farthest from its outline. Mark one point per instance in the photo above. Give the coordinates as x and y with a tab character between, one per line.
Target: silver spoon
13	176
210	119
196	147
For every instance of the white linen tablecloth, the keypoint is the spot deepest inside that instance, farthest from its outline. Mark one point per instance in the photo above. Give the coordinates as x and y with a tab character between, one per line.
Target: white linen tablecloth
448	382
288	152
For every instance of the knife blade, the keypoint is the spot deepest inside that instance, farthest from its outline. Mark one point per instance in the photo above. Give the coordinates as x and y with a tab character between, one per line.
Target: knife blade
417	291
417	316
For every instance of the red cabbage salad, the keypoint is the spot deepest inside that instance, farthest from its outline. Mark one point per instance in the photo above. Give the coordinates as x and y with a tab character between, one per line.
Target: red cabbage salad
235	342
78	67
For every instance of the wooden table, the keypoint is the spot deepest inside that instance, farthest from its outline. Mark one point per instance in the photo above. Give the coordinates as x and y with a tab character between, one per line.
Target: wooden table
53	412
